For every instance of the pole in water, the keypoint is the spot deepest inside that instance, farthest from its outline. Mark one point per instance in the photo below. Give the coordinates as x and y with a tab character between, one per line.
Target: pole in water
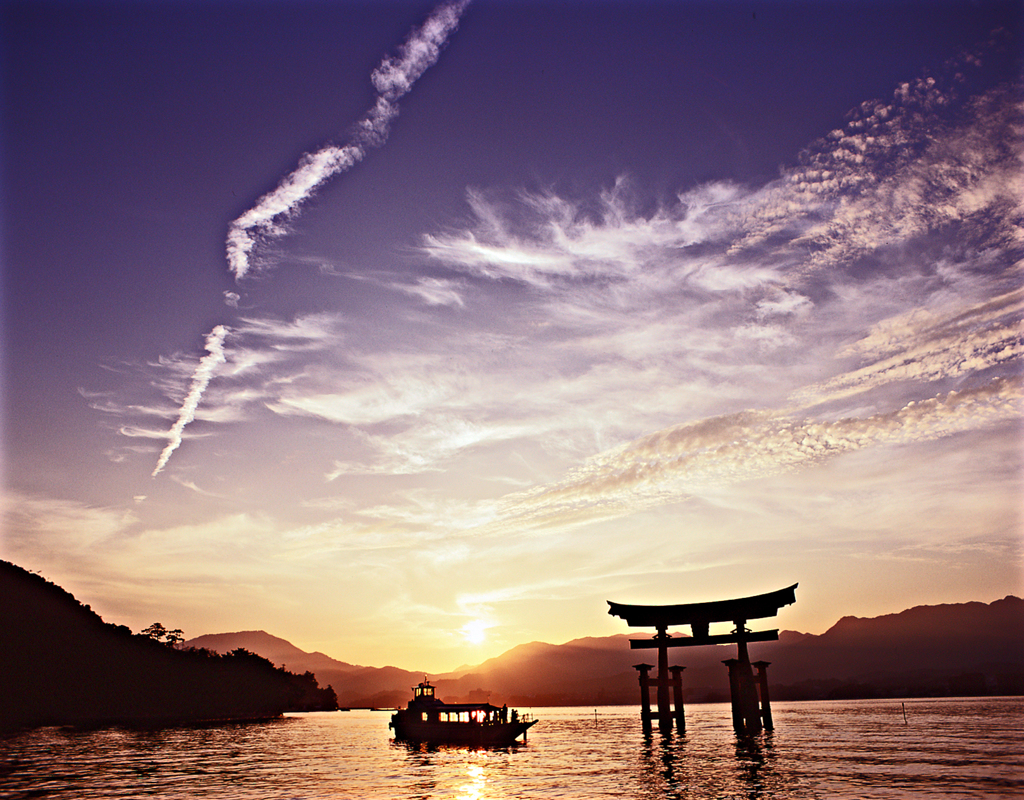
904	705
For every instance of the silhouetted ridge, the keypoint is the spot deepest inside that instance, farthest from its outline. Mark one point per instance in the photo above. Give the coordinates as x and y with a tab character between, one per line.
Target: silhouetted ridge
954	649
282	652
61	664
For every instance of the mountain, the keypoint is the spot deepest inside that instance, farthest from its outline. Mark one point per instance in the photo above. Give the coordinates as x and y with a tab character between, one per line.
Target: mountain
966	648
360	687
60	664
283	653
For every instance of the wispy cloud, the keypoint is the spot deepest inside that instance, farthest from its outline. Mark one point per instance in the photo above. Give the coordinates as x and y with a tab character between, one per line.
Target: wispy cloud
191	486
901	173
35	523
392	79
200	380
925	345
669	465
434	291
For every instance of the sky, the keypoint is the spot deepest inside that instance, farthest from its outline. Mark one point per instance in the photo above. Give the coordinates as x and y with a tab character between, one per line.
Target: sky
410	332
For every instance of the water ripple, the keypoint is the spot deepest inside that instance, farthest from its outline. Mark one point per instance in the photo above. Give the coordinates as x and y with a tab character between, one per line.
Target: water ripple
964	748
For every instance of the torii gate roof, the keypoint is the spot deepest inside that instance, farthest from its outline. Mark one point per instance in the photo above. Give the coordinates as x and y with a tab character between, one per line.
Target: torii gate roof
741	608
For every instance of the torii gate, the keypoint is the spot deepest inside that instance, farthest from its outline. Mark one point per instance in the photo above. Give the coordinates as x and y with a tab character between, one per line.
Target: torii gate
748	715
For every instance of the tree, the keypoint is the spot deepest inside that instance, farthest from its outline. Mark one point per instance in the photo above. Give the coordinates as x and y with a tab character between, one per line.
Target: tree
175	637
155	631
158	633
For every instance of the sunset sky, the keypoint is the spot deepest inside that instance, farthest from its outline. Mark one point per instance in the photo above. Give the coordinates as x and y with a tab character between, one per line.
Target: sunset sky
411	332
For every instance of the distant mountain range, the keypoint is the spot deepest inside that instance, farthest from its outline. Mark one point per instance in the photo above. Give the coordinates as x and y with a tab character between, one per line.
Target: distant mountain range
957	649
61	664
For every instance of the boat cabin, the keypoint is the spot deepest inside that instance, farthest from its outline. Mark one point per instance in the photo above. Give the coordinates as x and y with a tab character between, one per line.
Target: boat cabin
423	691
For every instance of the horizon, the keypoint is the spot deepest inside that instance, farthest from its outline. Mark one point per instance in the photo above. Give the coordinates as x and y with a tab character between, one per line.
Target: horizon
633	632
421	330
676	630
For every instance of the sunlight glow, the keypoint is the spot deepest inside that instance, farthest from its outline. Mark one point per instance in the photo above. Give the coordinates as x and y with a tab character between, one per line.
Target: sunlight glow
475	631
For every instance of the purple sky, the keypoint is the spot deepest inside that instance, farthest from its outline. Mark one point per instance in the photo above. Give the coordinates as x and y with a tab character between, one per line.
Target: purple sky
651	302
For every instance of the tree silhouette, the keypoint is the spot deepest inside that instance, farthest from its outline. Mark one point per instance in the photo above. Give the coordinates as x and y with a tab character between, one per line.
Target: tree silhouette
158	633
155	631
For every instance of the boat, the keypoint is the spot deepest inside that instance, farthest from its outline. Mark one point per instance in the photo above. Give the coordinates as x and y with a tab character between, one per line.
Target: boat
428	719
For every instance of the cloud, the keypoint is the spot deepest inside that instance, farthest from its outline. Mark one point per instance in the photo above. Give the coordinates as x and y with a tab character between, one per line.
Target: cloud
434	291
542	237
38	529
191	486
304	332
924	345
392	79
667	466
919	170
265	357
200	380
930	168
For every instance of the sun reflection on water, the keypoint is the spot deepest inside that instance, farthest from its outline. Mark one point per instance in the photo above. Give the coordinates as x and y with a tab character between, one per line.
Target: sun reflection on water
476	787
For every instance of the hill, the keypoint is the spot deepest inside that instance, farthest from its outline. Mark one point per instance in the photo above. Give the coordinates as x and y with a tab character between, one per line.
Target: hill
61	664
955	649
361	687
281	652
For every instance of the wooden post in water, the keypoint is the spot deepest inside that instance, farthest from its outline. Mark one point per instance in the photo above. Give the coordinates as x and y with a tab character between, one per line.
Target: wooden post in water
645	695
747	687
746	718
734	694
766	702
677	698
664	681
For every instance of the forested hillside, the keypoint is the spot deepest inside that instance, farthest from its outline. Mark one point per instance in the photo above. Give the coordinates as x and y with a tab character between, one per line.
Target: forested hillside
60	664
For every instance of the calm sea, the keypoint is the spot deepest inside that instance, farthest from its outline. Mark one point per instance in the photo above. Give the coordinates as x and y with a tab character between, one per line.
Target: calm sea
949	748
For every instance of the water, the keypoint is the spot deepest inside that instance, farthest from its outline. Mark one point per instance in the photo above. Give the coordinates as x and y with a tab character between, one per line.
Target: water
950	748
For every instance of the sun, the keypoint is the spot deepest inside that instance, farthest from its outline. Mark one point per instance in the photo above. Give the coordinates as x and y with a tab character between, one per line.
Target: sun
475	631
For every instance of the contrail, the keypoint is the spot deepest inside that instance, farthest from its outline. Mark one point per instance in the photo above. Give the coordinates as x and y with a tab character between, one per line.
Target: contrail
392	79
200	380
